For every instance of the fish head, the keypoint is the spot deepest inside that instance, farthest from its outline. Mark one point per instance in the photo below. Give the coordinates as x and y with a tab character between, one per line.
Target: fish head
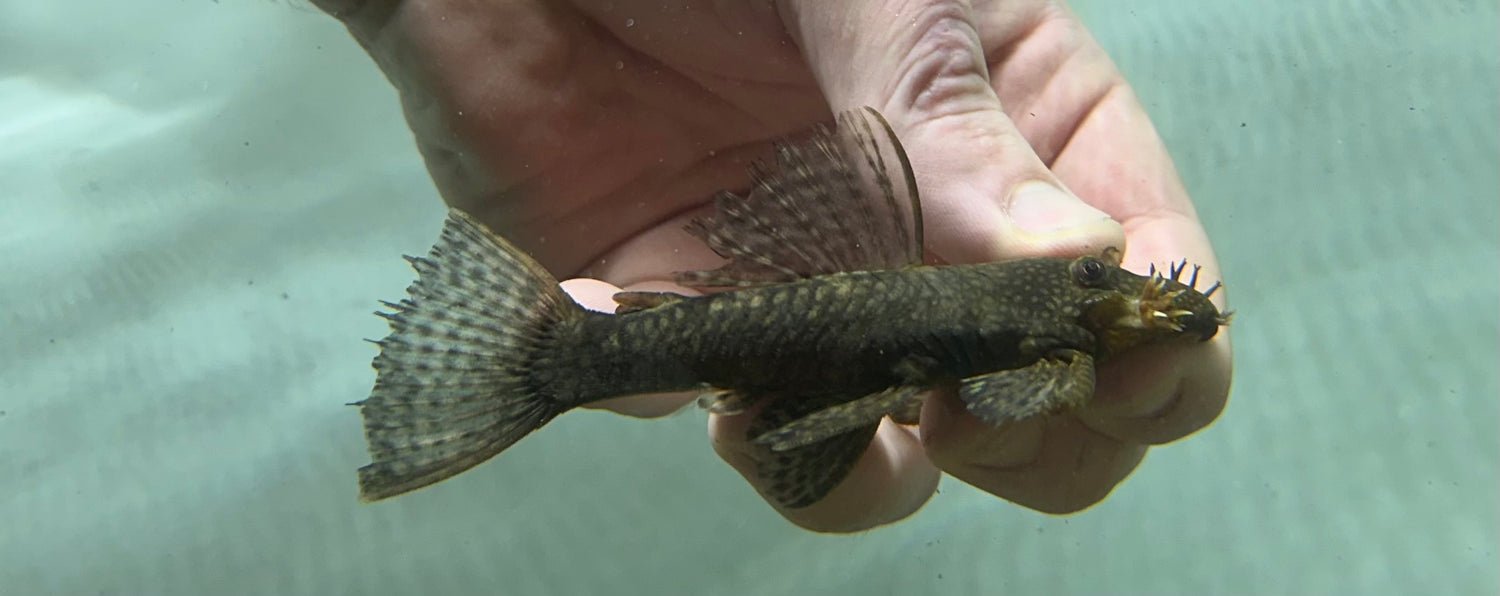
1125	309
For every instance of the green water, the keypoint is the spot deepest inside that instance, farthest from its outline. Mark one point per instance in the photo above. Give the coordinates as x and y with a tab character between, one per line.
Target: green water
200	201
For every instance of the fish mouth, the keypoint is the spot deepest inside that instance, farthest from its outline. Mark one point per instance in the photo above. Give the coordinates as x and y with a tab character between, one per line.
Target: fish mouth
1168	303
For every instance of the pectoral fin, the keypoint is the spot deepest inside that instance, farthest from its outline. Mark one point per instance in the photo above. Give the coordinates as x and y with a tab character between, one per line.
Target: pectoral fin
840	419
1062	381
801	476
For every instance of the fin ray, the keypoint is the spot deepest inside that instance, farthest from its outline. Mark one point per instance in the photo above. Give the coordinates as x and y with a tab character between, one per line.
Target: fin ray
839	419
452	387
829	206
801	476
1051	384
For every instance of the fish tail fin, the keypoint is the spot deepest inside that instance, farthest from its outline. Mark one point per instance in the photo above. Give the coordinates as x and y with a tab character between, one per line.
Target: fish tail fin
452	386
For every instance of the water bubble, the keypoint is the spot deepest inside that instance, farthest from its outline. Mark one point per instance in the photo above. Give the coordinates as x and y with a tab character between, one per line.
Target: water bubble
619	65
629	23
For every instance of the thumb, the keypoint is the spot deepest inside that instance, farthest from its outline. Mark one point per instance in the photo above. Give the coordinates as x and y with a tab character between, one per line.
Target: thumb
985	194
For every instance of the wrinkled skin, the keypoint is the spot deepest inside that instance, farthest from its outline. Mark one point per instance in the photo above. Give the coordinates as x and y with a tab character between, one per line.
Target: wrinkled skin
588	132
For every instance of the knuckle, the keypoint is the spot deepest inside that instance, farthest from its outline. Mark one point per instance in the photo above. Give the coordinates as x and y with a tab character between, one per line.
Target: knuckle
944	62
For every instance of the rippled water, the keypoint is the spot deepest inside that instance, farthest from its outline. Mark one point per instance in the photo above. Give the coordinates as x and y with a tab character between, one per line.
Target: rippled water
200	201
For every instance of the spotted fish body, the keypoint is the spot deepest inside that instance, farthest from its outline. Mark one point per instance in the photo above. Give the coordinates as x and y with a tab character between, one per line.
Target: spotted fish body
835	324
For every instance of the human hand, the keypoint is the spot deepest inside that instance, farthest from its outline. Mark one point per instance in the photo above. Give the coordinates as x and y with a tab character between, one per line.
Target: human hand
589	133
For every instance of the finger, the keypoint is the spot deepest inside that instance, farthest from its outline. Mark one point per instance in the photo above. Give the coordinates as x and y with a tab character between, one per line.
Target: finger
890	482
599	296
1156	395
364	18
1151	395
1054	465
340	9
986	194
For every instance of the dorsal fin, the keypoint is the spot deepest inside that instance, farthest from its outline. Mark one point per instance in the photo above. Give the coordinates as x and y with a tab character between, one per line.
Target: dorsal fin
830	205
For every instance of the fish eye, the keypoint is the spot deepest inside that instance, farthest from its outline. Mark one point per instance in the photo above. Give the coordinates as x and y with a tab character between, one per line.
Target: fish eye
1089	271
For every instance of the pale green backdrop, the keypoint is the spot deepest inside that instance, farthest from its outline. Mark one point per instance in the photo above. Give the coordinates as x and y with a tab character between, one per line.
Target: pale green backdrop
200	202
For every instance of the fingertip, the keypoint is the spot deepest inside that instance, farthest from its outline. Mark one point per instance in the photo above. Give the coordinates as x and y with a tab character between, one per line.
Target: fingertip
982	208
650	405
593	294
1056	464
1161	394
599	296
1050	221
952	436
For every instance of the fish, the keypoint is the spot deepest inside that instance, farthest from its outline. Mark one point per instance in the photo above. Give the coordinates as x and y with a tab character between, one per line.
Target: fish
823	320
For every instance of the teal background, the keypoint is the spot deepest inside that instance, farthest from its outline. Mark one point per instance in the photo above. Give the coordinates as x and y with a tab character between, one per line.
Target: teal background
201	201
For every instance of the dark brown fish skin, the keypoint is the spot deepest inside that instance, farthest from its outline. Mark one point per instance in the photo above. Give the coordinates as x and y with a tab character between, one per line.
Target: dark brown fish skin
836	327
832	339
848	333
487	349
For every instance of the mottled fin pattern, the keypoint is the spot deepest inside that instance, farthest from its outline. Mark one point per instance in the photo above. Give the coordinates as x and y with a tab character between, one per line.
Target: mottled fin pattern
840	419
451	387
1052	384
831	205
802	476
